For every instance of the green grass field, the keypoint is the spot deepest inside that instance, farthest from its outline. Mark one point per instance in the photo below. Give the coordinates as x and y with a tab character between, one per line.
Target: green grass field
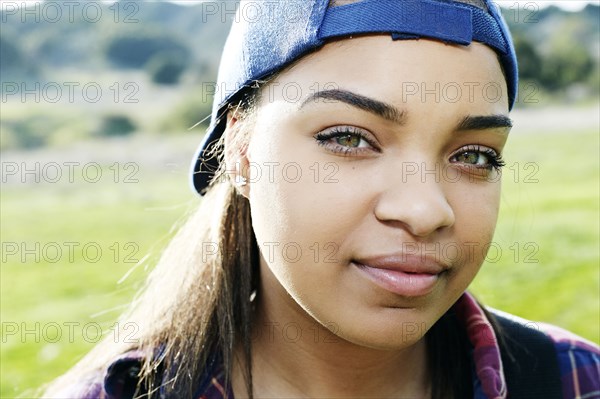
548	269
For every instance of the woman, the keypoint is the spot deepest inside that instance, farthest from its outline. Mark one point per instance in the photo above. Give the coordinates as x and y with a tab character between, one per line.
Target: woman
351	187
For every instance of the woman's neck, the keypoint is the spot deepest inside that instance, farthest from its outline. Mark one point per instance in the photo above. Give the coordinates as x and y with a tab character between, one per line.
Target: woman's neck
294	356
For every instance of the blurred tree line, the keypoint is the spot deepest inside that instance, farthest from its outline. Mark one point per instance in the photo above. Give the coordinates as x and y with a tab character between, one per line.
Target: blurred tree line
179	47
559	50
555	48
161	37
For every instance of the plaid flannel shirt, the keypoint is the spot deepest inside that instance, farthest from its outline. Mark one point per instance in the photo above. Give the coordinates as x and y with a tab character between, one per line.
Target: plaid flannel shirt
578	360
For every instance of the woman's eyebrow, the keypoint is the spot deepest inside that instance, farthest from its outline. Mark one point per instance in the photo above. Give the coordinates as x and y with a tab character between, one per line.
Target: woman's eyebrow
368	104
485	122
393	114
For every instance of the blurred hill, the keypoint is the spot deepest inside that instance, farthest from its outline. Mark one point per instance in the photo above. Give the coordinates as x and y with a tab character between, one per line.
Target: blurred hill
83	38
153	61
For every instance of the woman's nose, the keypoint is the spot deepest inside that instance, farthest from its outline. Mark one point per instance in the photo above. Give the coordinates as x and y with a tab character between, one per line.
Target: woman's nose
416	202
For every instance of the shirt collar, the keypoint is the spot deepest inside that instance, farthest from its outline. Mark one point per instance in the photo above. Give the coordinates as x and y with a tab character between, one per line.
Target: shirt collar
486	352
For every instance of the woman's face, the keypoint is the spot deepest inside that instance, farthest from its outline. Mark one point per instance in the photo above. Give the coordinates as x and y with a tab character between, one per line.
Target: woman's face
373	184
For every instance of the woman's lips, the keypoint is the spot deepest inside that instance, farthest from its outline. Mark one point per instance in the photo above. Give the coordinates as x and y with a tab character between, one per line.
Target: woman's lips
402	275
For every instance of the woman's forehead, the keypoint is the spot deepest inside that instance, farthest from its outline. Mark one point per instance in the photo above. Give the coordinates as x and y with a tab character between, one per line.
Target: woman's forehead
423	70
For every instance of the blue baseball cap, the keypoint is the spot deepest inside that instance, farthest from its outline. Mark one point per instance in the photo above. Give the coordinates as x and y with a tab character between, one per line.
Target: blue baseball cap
267	36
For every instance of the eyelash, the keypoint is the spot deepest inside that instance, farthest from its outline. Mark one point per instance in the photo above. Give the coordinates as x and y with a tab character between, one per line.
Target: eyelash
495	161
323	139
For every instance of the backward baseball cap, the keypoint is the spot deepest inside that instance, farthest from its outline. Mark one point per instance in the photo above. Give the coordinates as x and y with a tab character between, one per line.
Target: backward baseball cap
266	36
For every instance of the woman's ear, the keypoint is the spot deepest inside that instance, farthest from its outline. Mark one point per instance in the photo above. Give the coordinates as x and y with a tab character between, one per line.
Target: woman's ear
236	148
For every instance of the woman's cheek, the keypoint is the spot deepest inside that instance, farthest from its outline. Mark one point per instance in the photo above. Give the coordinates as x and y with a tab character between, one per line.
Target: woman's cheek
479	213
297	223
476	208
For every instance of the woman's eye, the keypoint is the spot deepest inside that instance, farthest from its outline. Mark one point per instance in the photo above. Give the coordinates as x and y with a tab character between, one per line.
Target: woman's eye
351	140
473	158
347	140
480	158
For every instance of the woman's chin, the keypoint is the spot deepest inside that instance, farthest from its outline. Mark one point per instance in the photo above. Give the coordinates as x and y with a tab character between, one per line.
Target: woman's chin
392	329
